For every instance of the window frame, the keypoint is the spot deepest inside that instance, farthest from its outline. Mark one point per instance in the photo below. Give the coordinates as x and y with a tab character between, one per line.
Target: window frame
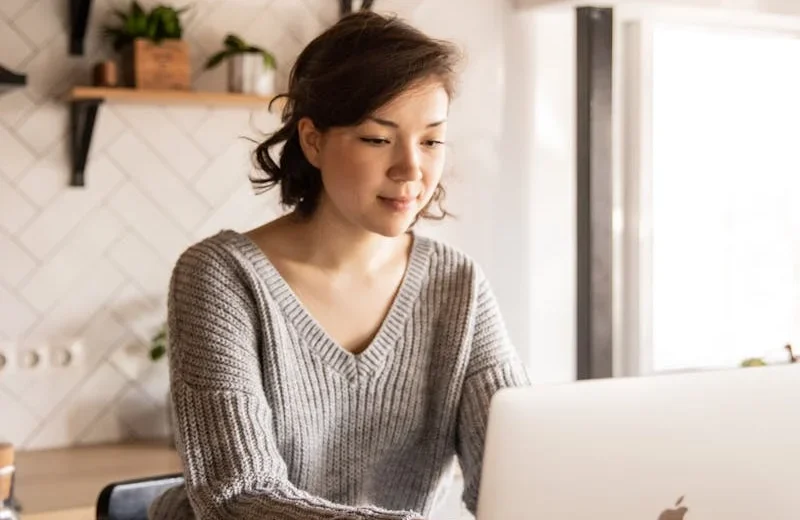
632	178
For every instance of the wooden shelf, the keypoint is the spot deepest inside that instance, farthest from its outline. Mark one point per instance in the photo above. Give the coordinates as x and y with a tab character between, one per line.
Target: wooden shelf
84	102
65	483
167	97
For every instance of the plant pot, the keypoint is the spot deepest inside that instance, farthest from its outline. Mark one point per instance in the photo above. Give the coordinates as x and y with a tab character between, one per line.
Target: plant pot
160	66
248	74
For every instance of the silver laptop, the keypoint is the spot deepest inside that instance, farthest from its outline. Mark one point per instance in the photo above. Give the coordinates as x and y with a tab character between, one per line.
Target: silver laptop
721	445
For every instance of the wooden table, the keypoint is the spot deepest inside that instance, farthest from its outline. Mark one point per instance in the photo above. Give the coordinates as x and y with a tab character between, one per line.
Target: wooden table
63	484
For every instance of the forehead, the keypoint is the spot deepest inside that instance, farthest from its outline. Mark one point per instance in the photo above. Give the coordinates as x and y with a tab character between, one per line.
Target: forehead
426	101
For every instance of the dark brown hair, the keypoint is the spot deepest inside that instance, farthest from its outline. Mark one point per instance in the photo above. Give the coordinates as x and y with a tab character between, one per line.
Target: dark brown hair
346	73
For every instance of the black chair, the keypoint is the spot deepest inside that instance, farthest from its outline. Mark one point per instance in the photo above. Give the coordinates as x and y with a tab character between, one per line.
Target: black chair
129	499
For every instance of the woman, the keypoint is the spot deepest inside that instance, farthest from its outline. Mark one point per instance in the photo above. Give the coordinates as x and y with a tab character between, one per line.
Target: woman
332	363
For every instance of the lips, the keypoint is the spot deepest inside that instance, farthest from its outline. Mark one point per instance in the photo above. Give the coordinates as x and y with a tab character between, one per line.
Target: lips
399	199
398	203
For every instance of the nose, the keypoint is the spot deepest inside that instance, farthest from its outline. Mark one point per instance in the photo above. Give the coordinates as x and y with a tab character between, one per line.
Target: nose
406	166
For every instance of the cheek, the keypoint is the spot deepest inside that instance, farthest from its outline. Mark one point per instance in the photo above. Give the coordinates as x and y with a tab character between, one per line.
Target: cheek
432	173
347	177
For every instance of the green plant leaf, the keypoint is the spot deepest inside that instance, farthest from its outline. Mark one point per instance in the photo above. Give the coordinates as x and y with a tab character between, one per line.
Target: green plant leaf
233	45
136	25
123	16
171	25
753	362
130	26
217	58
157	352
234	42
160	23
136	9
152	29
112	32
117	36
269	60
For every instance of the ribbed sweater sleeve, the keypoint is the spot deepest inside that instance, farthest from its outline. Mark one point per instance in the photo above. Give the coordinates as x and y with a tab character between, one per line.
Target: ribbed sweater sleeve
493	365
223	421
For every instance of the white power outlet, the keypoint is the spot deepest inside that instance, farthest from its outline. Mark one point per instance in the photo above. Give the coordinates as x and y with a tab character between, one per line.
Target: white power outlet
8	359
67	355
58	356
78	350
33	359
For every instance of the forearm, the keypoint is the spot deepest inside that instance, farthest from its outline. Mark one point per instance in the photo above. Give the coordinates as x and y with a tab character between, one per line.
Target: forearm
234	471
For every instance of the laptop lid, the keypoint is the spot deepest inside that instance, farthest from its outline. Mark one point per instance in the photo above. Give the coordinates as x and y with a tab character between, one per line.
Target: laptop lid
721	445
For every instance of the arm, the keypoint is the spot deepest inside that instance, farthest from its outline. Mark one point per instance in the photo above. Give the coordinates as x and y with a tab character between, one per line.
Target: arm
493	365
223	421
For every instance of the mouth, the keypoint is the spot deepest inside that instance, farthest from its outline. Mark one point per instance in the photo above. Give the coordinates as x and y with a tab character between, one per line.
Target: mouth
398	203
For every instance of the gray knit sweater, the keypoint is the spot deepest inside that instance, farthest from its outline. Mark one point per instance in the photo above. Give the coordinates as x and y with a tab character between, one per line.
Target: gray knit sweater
274	420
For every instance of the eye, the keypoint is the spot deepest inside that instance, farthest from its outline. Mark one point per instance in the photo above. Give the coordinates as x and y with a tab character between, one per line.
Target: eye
432	143
375	141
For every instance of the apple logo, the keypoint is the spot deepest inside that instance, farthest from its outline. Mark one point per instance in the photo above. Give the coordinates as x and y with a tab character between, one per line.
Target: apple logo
675	514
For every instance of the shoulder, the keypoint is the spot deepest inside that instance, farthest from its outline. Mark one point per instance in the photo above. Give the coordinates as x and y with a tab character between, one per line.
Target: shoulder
446	260
221	258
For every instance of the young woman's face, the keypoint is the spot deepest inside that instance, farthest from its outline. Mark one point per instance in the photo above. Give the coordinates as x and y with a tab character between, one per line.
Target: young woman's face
380	174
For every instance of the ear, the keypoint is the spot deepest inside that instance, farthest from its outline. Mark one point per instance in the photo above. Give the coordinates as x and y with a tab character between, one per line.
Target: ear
310	140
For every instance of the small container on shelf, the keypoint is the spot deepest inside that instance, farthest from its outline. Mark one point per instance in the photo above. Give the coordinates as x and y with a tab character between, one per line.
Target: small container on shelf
159	66
792	357
106	74
9	509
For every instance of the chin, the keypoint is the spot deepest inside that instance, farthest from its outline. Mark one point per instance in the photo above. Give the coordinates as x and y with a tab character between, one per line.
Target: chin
390	228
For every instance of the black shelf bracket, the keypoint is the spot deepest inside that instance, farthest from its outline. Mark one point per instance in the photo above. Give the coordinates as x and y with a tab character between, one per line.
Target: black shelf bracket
10	80
79	18
83	114
346	6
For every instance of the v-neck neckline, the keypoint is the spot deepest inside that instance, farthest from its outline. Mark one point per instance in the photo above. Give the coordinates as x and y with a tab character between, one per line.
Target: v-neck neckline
371	359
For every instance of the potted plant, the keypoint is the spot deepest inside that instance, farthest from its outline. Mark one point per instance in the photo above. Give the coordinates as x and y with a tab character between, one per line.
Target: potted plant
251	69
154	55
158	350
158	343
761	362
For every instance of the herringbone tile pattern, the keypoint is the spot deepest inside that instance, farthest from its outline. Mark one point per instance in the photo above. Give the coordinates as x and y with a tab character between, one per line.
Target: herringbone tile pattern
94	263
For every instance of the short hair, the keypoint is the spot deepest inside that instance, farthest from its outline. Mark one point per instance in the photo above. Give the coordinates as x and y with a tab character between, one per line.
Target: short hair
342	76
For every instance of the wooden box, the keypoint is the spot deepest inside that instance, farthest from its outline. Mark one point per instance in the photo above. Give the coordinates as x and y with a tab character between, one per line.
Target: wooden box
162	66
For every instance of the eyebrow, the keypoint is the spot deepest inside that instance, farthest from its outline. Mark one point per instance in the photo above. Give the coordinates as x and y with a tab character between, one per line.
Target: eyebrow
386	122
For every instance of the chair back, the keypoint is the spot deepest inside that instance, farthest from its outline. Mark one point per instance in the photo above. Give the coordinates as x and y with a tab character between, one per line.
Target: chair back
130	499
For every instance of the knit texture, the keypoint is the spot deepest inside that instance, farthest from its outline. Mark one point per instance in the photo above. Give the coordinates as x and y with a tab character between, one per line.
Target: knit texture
274	420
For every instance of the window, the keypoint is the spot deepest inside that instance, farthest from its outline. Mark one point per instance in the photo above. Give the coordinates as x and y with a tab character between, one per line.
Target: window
720	203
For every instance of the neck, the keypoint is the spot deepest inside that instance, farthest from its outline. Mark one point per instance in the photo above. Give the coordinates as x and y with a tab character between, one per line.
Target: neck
333	244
